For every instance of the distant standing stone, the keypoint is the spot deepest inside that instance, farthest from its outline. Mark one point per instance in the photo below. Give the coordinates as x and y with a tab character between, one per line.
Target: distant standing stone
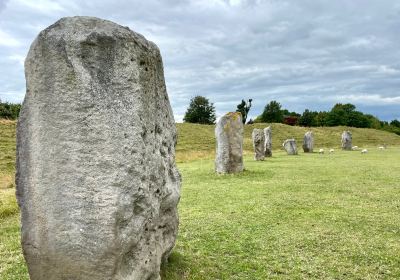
346	140
258	143
308	142
96	177
268	141
290	146
229	136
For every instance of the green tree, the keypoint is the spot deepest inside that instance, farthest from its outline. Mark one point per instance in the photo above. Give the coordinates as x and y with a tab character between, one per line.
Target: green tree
395	123
200	110
346	114
321	119
340	114
358	119
374	122
308	118
272	112
9	110
287	113
244	108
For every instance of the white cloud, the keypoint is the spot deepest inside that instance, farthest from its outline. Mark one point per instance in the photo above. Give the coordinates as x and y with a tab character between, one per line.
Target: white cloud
42	6
235	2
385	69
12	96
368	99
302	53
17	57
7	40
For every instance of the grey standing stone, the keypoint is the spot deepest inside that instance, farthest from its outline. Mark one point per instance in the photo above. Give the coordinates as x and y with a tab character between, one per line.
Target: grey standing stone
308	142
346	140
229	136
268	141
96	177
290	146
258	143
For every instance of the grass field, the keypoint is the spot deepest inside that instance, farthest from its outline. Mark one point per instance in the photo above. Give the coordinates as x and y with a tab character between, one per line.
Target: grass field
309	216
197	141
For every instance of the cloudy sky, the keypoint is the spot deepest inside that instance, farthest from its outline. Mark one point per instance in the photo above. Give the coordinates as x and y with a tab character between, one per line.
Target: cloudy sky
302	53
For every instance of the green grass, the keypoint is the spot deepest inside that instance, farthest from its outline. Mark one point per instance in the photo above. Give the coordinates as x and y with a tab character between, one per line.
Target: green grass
291	217
309	216
12	263
7	153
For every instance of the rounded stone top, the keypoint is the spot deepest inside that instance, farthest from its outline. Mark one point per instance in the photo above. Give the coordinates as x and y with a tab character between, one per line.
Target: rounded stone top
233	115
83	28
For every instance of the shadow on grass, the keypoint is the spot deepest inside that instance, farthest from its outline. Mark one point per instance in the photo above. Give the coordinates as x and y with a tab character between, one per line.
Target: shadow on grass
177	267
248	172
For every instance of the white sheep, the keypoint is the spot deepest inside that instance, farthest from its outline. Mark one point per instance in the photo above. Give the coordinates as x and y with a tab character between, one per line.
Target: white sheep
364	151
331	151
381	148
321	151
354	148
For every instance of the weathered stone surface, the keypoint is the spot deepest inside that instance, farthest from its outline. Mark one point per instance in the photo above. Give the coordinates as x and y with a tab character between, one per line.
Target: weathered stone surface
268	141
308	142
346	140
258	143
290	146
229	135
96	177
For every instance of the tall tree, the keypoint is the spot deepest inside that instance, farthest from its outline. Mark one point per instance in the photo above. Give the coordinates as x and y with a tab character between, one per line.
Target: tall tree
308	118
244	108
340	114
358	119
200	110
272	112
321	119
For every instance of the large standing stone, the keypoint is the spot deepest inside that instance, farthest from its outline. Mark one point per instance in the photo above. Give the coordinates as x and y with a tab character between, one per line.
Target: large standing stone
346	140
268	141
290	146
308	142
229	135
258	143
96	177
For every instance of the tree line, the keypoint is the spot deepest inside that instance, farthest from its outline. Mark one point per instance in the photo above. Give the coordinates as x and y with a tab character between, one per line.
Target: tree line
202	111
9	110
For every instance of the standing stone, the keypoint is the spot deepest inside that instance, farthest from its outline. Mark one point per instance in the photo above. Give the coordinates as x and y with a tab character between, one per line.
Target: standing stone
290	146
96	177
346	140
268	141
308	142
258	143
229	135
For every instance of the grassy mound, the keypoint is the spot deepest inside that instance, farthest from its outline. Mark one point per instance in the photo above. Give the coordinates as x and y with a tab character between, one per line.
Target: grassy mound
198	141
